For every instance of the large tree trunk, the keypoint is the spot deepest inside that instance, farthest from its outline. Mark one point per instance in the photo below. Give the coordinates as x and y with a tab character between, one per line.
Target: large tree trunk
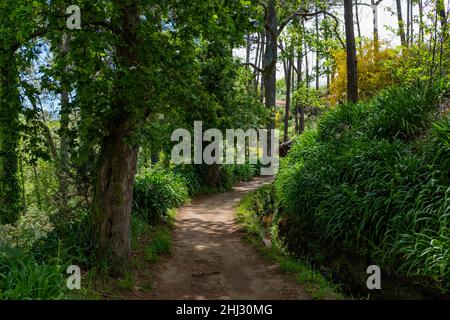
114	197
9	139
211	176
352	69
118	158
401	23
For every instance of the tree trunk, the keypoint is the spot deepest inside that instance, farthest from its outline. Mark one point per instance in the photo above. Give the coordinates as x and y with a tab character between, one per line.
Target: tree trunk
401	23
299	83
376	41
118	157
317	52
247	56
271	55
358	23
302	118
248	49
114	197
411	33
421	32
211	176
9	138
255	72
64	135
270	64
442	16
263	53
352	69
408	22
327	34
287	108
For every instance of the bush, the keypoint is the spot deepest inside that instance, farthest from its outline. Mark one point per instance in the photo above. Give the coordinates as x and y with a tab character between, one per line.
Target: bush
157	191
402	112
244	172
191	176
373	180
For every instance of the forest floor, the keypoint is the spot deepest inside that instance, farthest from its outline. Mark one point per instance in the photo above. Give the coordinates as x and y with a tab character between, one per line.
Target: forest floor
212	260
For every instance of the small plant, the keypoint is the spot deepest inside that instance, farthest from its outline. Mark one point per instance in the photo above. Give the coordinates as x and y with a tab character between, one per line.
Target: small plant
160	244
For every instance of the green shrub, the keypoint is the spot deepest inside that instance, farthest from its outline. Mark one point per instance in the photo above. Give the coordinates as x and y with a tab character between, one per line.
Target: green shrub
374	179
244	172
157	191
191	176
402	112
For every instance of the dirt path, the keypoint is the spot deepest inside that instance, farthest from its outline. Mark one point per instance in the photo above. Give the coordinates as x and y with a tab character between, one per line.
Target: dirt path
211	260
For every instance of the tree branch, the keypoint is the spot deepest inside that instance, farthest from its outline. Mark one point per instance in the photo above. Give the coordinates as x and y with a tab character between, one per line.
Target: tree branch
254	66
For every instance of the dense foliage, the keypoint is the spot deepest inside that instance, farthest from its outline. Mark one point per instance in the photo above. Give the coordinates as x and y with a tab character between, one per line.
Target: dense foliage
373	178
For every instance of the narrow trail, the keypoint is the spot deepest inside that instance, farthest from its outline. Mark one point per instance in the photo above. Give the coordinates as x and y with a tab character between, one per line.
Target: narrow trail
212	260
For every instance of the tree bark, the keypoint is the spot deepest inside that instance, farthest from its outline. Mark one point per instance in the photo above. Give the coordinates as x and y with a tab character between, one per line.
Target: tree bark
287	107
271	55
352	69
401	23
113	198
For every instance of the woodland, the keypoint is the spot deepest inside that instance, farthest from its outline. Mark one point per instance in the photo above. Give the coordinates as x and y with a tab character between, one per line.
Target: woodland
91	91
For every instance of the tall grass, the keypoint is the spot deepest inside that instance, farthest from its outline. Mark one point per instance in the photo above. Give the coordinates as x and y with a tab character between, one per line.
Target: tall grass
23	277
374	178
